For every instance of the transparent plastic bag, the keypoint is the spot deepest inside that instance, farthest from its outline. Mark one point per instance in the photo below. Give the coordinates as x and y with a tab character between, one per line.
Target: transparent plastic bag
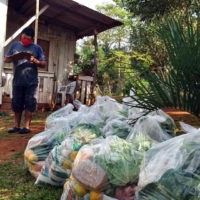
168	126
68	191
106	107
40	145
58	165
188	128
117	127
171	170
148	132
110	162
60	113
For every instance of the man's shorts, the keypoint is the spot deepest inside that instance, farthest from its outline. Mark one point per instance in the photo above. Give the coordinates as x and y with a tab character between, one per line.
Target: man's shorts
24	98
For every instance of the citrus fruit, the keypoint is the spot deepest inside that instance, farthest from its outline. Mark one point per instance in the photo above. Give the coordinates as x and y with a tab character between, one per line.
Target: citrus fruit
79	190
94	195
73	155
33	158
28	153
67	164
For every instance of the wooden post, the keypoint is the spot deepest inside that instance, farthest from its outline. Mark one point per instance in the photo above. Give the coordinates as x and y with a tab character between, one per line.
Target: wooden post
36	21
3	19
95	66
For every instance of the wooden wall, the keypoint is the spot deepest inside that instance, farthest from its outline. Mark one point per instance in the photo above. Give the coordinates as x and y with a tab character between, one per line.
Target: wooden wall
62	45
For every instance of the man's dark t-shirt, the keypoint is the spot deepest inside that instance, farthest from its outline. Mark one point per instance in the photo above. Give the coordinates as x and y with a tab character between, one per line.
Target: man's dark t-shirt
25	72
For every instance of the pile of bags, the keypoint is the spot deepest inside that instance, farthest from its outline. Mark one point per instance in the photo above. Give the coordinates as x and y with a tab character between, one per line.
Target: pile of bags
95	153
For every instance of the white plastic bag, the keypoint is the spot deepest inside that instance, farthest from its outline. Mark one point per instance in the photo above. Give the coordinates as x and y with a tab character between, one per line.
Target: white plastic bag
171	170
148	132
58	164
106	165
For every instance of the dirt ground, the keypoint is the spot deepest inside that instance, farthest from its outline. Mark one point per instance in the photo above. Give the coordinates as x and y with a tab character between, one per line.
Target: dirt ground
17	143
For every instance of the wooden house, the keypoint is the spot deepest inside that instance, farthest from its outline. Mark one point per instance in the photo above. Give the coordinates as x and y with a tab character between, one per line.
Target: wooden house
58	25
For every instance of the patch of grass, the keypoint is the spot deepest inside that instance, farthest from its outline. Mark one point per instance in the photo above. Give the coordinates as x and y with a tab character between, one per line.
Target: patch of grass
4	113
16	183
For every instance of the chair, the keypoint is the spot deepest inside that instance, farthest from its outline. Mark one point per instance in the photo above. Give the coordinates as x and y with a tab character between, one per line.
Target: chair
63	91
83	89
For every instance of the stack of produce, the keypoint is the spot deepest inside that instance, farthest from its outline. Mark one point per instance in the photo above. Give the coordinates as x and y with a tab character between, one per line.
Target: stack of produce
58	165
110	167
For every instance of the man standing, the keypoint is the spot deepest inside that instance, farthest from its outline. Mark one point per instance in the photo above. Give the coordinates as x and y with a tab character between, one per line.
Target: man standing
25	78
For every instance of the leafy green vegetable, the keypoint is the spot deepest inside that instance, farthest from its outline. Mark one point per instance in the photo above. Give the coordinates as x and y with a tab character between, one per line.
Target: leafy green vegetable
142	143
169	127
121	162
83	134
149	131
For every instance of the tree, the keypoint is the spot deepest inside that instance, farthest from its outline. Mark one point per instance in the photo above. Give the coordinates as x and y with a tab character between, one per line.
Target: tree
146	9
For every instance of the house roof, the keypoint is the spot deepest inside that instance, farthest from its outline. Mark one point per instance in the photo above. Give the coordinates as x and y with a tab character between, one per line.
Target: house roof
67	14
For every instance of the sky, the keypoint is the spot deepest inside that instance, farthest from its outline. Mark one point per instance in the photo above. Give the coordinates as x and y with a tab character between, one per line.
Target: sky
92	3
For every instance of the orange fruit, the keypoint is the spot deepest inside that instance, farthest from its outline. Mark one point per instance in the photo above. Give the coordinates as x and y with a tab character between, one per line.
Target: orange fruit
94	195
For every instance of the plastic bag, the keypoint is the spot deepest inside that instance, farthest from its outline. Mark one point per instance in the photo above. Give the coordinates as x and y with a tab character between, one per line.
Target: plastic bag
108	164
60	113
106	107
188	128
40	145
117	127
72	190
58	165
168	126
68	191
171	170
148	132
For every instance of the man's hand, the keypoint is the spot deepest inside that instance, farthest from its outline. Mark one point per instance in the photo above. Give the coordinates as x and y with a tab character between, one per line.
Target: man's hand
8	60
37	62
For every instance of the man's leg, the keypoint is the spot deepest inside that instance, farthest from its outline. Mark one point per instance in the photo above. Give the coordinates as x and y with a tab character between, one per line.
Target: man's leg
17	107
28	117
30	106
18	116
